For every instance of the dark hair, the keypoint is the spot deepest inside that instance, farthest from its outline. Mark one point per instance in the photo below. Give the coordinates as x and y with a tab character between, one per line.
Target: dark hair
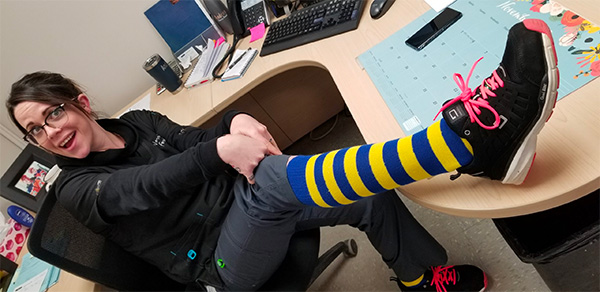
45	87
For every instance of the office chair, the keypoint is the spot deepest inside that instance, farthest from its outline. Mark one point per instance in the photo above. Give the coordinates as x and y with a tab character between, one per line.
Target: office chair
59	239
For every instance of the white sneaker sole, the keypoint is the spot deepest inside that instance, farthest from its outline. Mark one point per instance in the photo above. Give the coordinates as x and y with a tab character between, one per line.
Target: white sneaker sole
523	158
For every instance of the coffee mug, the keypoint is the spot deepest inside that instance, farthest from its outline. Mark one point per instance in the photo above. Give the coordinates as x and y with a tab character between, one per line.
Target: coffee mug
163	73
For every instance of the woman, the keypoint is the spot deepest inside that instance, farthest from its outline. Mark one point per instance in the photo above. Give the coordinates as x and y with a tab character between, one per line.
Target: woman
170	194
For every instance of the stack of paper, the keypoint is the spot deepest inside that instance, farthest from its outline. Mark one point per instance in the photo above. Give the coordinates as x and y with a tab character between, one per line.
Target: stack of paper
33	275
202	72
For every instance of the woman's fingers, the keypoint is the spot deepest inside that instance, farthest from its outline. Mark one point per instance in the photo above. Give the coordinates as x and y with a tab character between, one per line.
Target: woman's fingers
248	173
272	148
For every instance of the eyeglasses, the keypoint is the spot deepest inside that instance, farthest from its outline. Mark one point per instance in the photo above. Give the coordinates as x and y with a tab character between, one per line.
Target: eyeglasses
55	119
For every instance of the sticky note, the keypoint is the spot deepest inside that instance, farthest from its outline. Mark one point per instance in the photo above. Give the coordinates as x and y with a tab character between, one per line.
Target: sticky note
219	41
257	32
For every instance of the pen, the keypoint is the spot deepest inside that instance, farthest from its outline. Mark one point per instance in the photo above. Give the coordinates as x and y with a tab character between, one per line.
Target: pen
238	59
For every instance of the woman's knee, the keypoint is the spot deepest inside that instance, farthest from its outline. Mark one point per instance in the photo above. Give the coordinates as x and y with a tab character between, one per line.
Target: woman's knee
271	169
272	189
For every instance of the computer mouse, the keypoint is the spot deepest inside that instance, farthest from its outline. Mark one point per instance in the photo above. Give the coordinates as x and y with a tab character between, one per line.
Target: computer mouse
380	7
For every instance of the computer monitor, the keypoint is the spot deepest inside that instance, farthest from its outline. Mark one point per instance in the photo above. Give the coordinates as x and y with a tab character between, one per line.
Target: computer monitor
182	25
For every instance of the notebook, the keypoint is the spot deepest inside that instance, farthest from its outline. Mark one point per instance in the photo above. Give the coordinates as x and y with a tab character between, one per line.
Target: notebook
241	60
202	72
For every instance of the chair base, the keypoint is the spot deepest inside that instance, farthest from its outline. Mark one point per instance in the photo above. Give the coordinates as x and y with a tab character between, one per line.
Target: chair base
348	247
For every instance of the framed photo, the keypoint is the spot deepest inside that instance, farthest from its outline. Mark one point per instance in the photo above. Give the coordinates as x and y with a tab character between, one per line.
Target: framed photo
23	183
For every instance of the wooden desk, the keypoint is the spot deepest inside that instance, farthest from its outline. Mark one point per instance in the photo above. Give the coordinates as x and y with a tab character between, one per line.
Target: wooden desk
568	156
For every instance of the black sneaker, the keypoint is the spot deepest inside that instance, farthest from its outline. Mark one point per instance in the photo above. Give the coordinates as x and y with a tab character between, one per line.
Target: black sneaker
503	116
450	278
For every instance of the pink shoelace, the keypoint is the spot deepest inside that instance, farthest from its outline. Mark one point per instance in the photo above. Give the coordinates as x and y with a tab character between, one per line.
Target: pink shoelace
473	102
443	276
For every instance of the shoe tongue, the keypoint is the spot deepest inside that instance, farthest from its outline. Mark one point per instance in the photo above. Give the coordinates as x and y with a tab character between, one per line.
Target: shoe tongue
456	117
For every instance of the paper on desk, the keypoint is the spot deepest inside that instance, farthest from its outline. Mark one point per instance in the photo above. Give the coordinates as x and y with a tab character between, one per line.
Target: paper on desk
32	268
438	5
141	104
34	284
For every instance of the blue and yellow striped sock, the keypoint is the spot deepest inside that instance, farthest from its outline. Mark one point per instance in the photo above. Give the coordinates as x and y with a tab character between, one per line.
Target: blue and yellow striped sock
344	176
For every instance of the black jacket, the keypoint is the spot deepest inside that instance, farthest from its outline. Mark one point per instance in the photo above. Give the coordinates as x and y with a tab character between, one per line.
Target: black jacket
163	197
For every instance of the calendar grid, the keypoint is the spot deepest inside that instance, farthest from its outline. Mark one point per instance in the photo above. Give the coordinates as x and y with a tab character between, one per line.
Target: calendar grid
415	84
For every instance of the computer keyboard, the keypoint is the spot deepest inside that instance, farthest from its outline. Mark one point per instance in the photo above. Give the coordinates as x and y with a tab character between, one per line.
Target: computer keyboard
315	22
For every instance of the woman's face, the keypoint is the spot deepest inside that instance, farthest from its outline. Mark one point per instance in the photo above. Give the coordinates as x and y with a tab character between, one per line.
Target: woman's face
73	139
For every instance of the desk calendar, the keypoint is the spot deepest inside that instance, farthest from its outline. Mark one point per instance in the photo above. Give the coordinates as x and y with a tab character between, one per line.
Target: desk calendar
416	84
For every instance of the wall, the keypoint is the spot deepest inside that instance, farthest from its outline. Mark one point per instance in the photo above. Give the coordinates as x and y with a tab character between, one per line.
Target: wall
101	44
10	147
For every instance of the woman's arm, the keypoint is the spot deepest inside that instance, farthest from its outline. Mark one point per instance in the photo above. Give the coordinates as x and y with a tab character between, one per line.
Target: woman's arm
178	136
248	144
253	138
98	194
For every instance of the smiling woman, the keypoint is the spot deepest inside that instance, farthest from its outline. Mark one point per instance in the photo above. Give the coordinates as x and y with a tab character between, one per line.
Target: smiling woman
56	116
55	119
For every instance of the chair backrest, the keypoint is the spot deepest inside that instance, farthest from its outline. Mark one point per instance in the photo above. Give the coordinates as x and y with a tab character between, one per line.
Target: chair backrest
59	239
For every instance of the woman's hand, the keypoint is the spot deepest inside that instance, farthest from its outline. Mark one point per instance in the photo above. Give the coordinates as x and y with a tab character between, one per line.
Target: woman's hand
248	126
243	153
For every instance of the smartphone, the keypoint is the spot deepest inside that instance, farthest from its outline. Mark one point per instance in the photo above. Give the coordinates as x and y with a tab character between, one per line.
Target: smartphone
433	29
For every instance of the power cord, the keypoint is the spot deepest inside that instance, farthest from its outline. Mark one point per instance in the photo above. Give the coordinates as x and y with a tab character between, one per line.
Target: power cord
304	4
311	134
228	55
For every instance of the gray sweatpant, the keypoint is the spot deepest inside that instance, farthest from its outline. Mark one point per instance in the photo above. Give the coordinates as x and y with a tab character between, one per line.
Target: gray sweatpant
256	232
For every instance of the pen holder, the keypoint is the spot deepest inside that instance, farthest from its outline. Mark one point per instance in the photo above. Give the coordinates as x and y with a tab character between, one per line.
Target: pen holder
163	73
